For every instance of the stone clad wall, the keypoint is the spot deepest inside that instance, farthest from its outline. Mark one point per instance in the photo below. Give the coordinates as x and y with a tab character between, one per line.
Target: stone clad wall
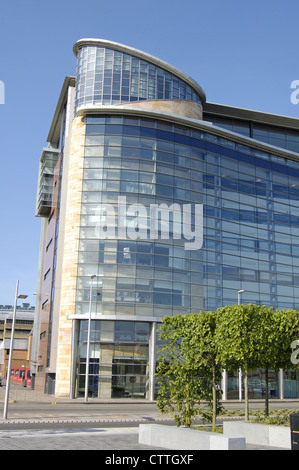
70	257
180	108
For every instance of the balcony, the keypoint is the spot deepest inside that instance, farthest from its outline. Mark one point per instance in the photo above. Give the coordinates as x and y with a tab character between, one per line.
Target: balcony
47	165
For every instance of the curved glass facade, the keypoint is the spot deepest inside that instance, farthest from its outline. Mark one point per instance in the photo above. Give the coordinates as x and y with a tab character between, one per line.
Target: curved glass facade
106	76
250	227
251	220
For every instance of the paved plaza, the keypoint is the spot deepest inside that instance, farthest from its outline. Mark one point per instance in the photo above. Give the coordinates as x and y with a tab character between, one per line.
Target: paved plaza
37	422
72	439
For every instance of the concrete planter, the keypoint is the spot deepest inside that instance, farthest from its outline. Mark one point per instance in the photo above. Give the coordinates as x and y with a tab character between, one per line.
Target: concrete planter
172	437
263	434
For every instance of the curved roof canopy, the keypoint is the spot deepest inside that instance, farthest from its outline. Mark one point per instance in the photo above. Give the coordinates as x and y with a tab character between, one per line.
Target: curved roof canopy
141	55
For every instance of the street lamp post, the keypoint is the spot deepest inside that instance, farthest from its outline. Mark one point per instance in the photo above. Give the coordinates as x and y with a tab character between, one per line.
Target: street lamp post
88	339
17	296
239	295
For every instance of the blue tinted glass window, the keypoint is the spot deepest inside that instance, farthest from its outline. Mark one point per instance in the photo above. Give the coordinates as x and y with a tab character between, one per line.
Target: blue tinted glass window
124	78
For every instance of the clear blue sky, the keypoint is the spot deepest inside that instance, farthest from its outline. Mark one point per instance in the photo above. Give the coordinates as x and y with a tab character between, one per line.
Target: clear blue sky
241	53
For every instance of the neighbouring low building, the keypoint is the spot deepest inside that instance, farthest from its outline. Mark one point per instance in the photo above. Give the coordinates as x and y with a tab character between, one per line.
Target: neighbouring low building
22	336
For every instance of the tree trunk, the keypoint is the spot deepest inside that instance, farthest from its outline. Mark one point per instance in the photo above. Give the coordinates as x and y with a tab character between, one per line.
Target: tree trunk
267	392
214	392
188	408
246	394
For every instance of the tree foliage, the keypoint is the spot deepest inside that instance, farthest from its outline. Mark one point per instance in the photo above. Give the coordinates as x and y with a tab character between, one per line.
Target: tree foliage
196	348
187	369
179	388
237	337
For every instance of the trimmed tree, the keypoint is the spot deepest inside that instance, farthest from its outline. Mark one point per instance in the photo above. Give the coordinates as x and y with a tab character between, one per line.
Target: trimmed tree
178	377
187	370
275	333
202	341
237	337
267	350
287	330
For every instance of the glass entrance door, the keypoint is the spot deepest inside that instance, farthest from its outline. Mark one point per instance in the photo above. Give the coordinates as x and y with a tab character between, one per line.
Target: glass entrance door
129	378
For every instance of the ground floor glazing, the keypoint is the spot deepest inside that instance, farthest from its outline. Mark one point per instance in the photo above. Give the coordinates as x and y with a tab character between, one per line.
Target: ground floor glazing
122	361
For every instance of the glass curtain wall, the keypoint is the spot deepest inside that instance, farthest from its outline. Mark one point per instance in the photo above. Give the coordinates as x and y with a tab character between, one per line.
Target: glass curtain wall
291	383
273	135
251	221
105	76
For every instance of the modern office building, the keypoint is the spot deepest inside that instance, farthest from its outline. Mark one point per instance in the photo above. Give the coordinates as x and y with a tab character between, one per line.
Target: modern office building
153	202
